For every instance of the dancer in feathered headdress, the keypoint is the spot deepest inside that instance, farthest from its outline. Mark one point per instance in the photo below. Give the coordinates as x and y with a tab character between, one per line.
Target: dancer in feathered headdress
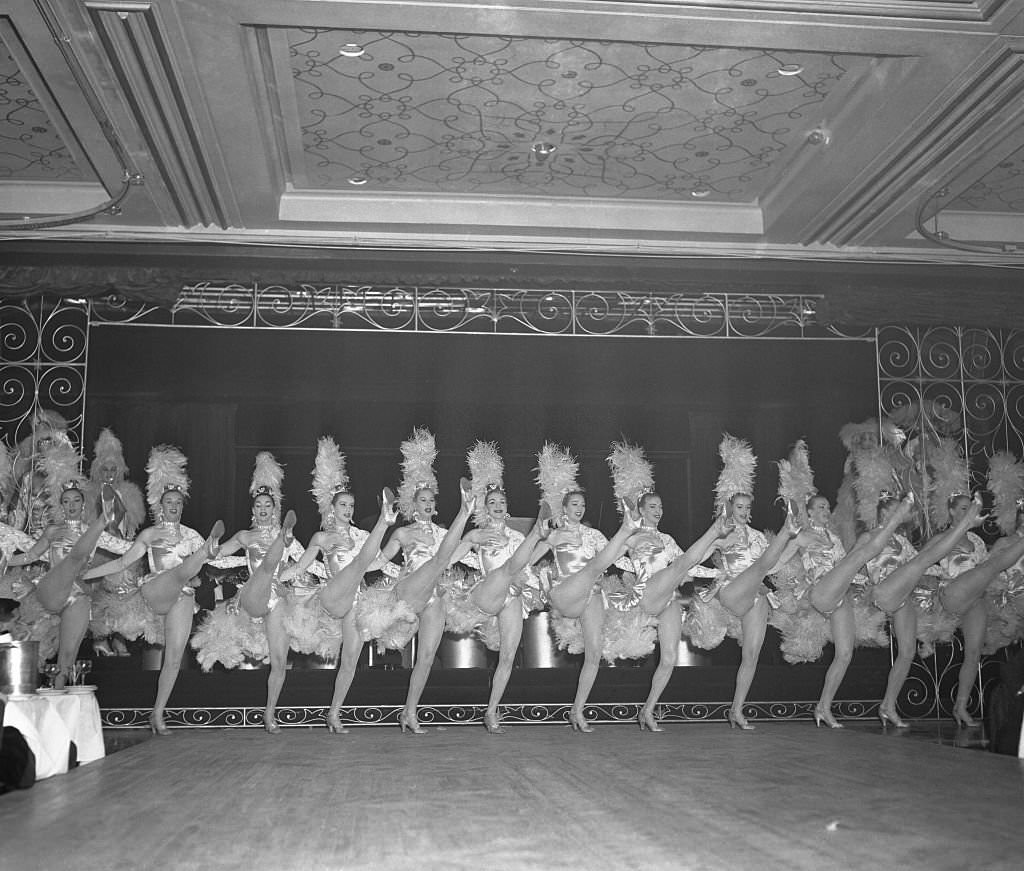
738	602
269	545
318	623
971	571
492	603
581	557
654	566
394	612
117	609
67	543
820	606
177	553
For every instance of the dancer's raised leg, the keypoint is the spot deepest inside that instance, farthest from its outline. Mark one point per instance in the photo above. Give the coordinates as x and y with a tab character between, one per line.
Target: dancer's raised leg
255	595
662	585
339	593
54	587
163	590
491	593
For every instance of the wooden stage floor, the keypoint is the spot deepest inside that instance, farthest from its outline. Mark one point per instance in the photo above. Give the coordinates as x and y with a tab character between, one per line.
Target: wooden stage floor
698	796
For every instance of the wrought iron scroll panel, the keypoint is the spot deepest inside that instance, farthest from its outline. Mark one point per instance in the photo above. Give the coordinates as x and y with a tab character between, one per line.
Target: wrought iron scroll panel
485	311
976	378
44	351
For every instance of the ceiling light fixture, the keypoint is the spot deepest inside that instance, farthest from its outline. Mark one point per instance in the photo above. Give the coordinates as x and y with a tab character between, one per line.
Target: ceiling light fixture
357	180
700	191
351	49
819	136
543	150
790	70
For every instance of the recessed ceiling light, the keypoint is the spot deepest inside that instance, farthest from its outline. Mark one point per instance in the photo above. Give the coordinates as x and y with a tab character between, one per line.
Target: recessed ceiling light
700	192
351	49
790	70
543	149
358	180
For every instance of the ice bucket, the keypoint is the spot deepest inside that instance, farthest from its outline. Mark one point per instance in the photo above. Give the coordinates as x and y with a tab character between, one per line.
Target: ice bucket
19	667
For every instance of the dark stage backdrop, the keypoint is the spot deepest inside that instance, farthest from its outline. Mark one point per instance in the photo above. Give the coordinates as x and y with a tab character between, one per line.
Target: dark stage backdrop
223	395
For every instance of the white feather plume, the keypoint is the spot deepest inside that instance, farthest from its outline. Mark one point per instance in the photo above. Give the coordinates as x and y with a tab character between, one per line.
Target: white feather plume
632	474
165	470
330	476
418	456
1006	483
949	476
556	475
61	465
796	478
108	449
486	470
874	475
6	474
267	477
737	475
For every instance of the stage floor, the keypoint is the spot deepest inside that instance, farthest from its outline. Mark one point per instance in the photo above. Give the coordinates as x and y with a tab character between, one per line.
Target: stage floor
698	796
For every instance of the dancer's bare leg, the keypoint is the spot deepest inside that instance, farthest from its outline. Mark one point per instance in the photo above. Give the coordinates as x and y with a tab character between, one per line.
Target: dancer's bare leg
255	594
670	630
904	629
348	659
177	628
277	645
427	641
163	591
416	589
755	623
972	625
740	594
571	595
339	593
843	634
510	631
490	594
592	620
54	587
960	594
831	588
662	585
74	621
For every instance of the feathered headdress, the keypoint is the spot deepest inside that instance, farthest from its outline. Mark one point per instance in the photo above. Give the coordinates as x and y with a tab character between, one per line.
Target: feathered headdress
874	476
737	475
165	470
329	477
796	478
1006	484
556	475
949	477
418	455
632	475
485	470
60	465
6	474
107	450
267	478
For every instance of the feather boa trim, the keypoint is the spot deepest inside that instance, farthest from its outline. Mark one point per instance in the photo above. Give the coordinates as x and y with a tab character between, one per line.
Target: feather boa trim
1006	483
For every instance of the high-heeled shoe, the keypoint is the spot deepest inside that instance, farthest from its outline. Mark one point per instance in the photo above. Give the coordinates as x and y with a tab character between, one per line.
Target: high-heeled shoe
965	720
887	716
407	723
156	725
738	721
648	721
101	647
287	525
493	725
271	726
213	540
334	724
823	716
578	723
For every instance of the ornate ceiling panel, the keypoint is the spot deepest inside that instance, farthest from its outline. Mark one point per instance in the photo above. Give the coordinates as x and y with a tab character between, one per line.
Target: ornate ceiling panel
801	129
457	113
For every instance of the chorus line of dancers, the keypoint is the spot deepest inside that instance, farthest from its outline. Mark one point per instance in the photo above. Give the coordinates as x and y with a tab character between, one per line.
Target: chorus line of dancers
90	566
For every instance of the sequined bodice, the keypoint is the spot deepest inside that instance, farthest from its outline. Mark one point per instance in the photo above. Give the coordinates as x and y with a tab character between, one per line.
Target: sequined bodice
819	560
740	550
343	547
574	547
897	552
493	556
257	548
71	531
964	557
650	551
423	544
177	541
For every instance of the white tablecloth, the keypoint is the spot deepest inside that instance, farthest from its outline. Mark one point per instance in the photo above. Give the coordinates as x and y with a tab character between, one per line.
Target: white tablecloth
50	723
